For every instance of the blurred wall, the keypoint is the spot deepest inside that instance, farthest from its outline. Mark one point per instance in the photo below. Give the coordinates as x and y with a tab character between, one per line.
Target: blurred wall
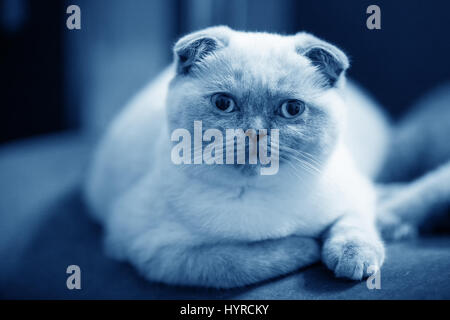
31	77
121	46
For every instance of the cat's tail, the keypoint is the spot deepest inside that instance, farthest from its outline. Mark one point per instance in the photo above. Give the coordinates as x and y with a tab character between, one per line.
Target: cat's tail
405	208
414	189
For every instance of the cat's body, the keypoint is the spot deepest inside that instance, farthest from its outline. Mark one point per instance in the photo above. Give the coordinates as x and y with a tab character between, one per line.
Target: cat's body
218	225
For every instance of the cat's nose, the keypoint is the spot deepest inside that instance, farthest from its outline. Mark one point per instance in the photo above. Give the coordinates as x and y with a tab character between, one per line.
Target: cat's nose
257	123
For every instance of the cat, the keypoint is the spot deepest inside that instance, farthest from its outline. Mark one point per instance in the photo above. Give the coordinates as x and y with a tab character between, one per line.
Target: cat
227	226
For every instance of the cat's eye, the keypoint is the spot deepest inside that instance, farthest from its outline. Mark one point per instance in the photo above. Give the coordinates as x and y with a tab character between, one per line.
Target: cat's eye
292	108
223	102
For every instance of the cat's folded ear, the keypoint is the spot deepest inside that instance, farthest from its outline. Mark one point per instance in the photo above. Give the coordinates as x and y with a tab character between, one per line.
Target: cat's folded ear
330	60
193	47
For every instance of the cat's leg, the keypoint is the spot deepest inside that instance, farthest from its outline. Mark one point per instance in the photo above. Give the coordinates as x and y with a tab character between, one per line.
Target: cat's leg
218	265
351	245
165	250
230	265
391	226
416	203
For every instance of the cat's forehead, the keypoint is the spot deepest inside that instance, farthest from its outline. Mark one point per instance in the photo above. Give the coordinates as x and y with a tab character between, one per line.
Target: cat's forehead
263	48
265	62
260	40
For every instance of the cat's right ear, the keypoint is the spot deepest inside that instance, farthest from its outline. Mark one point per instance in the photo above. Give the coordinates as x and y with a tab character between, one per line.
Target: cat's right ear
328	59
194	47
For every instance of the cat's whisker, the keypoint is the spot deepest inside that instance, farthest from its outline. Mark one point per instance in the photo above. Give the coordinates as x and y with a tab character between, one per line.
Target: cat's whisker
296	171
303	164
304	154
310	157
299	157
308	165
305	157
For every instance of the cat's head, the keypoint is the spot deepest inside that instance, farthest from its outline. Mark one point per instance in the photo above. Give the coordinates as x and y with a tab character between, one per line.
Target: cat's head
237	80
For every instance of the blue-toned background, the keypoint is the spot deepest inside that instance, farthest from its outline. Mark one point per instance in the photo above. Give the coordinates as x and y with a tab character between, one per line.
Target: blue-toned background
55	79
59	89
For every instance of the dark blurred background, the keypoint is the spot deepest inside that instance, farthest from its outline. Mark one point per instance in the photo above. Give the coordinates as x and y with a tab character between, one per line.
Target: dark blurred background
55	79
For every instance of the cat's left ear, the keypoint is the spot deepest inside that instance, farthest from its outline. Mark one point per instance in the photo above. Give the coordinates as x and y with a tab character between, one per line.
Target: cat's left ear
330	60
194	47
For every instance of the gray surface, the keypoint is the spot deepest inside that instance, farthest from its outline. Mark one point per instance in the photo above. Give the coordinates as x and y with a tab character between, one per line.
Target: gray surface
44	228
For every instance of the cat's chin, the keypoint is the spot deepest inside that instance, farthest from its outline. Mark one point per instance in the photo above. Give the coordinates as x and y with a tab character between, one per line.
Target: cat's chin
232	172
238	175
247	170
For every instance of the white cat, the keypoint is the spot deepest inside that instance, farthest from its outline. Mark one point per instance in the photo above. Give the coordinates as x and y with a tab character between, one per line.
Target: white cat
226	225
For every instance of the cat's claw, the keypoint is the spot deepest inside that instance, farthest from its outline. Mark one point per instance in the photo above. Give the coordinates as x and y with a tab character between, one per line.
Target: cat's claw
353	259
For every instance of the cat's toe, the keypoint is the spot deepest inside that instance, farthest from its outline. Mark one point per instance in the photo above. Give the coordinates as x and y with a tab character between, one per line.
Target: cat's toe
352	259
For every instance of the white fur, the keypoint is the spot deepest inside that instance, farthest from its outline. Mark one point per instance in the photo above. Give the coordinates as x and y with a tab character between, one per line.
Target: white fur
155	215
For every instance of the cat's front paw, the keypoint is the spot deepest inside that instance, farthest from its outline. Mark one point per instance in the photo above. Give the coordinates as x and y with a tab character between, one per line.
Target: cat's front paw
351	257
